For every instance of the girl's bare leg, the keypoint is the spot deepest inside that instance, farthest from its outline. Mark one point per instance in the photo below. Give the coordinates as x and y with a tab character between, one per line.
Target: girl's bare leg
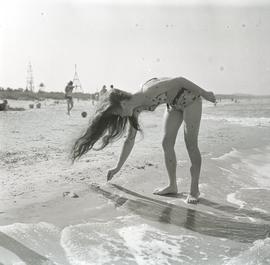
71	105
173	120
192	118
68	110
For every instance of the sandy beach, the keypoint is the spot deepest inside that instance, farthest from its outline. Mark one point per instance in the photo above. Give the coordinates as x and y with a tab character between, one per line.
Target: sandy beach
134	57
122	222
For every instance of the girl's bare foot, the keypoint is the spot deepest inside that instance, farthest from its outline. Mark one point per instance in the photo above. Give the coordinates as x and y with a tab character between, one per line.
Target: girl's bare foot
167	190
193	199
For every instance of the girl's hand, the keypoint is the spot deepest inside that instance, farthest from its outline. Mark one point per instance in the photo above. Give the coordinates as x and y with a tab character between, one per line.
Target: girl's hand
208	95
111	173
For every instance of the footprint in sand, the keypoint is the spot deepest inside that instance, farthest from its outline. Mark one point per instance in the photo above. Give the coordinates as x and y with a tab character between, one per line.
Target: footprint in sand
146	164
70	194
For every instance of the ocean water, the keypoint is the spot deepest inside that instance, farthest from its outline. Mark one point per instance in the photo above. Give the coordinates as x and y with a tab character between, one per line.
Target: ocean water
126	240
231	226
246	112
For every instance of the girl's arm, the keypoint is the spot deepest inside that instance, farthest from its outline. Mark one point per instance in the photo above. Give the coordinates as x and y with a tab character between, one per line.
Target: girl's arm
177	83
208	95
126	150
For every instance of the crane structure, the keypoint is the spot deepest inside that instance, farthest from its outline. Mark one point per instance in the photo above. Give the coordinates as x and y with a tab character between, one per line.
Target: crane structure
76	81
30	79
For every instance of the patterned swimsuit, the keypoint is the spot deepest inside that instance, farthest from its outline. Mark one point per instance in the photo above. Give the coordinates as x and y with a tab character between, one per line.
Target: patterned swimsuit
183	99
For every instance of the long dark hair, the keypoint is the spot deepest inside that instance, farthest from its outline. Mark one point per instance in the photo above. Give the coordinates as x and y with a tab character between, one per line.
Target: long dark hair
105	125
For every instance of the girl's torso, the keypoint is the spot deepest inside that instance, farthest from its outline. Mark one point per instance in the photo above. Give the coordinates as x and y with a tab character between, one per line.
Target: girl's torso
176	98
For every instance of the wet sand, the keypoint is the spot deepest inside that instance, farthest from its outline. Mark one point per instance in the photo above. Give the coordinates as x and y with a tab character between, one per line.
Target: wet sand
35	172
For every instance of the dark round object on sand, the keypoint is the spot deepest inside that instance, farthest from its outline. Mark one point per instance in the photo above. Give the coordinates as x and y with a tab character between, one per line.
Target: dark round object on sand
84	114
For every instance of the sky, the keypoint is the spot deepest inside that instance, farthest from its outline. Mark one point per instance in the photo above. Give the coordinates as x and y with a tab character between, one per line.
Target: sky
221	45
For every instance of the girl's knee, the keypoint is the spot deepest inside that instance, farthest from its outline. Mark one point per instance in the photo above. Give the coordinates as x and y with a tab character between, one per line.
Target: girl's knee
193	150
167	143
191	143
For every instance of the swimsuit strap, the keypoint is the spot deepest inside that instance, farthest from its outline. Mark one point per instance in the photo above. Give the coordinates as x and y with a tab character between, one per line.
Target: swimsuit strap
150	80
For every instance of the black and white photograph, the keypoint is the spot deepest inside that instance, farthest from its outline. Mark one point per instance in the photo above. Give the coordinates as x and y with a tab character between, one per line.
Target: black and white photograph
134	132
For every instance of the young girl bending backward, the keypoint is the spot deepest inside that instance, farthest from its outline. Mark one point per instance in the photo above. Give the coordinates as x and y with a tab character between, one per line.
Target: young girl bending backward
119	108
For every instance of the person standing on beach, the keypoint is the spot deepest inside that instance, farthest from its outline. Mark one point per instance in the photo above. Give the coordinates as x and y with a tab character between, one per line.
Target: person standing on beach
68	95
119	108
4	105
102	91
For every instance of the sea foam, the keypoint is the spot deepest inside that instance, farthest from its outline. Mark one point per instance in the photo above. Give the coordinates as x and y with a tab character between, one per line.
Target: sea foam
243	121
151	246
232	199
231	154
31	243
95	243
258	254
112	243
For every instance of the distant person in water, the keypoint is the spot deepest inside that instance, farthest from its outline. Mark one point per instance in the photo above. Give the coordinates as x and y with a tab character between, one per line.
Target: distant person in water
68	95
120	108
